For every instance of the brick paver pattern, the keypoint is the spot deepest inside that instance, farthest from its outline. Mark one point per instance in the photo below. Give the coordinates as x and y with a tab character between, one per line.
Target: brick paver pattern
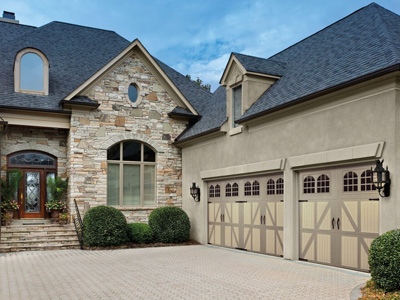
182	272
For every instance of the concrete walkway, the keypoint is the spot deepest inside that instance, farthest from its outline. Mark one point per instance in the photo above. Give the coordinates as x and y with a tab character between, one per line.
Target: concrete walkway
185	272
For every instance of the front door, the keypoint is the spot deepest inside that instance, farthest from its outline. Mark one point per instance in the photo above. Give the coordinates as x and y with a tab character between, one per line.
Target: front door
32	194
36	168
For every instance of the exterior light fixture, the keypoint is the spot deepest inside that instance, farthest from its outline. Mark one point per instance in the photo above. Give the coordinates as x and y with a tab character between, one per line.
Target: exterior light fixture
381	179
195	192
3	125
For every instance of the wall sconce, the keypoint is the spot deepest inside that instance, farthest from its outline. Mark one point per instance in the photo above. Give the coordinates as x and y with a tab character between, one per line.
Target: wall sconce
195	192
381	179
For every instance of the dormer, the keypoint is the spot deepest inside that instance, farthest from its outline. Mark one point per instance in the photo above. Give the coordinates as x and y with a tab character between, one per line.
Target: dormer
246	78
31	72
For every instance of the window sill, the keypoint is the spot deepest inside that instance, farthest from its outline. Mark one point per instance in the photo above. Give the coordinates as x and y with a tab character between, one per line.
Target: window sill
236	130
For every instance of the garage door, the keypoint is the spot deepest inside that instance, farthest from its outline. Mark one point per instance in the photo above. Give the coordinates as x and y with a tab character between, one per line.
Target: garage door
247	214
339	216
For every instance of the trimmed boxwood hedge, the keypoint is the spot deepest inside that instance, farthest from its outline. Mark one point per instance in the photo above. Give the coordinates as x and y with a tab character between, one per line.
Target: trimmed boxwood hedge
104	226
384	260
140	233
169	224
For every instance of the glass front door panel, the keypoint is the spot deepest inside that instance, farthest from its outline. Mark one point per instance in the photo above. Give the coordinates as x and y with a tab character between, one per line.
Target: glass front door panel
32	192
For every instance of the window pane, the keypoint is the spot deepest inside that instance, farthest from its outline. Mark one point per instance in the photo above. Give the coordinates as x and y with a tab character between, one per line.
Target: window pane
149	185
113	153
131	188
113	184
149	155
32	159
31	72
49	196
132	93
132	151
237	104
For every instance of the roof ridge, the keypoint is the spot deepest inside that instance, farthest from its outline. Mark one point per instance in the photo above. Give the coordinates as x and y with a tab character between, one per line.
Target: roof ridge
329	26
76	25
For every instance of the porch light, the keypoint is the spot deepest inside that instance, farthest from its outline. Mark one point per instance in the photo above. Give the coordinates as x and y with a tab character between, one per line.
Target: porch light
381	179
3	125
195	192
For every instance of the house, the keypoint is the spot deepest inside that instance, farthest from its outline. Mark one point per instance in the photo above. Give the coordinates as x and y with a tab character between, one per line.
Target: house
281	152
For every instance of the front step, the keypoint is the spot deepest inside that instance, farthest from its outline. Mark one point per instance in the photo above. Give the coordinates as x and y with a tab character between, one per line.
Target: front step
33	237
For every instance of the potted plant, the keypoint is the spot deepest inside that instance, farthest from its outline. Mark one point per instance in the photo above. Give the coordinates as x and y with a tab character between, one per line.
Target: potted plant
63	218
56	203
9	187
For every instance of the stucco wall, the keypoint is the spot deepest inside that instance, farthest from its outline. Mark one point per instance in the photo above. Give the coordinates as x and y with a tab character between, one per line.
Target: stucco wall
303	137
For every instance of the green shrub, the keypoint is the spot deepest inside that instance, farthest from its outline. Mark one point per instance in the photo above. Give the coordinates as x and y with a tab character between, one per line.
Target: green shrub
140	233
384	260
169	224
104	226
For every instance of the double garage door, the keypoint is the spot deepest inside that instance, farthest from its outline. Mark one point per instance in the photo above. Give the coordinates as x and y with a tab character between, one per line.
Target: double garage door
247	214
338	215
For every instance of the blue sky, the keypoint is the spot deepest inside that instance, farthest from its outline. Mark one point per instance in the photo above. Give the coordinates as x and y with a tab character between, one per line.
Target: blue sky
197	37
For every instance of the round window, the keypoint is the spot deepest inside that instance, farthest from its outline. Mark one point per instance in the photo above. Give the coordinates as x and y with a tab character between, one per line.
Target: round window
132	93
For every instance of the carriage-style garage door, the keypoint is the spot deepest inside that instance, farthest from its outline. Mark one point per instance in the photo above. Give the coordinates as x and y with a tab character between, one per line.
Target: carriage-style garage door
339	216
247	213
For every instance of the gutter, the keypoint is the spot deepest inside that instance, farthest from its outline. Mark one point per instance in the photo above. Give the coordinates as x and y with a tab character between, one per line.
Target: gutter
61	112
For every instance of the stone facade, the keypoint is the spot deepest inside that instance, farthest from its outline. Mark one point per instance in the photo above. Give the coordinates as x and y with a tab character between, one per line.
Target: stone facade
117	119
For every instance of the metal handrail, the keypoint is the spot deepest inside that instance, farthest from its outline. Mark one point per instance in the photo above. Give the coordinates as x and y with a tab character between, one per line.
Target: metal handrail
78	225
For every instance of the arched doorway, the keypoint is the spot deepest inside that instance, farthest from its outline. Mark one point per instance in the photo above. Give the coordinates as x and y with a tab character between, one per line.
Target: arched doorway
36	167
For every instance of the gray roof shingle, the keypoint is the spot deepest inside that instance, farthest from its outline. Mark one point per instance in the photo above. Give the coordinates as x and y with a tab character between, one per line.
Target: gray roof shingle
362	43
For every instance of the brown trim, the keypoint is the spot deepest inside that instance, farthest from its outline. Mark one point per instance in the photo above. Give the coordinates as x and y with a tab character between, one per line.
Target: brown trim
61	112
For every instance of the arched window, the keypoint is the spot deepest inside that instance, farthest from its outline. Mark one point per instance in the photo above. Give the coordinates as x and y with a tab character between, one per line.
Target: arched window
217	191
247	188
235	190
350	182
211	191
309	185
279	186
323	184
228	190
366	181
270	187
31	72
256	188
131	174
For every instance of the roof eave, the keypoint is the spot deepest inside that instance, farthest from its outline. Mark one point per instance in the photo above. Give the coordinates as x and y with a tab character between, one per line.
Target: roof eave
335	88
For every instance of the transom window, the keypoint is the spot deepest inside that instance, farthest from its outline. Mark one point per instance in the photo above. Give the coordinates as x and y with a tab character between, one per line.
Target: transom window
350	182
279	186
323	184
131	174
31	72
309	185
366	181
270	187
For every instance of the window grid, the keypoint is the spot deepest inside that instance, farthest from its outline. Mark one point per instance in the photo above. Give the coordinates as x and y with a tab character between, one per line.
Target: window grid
323	184
247	188
279	186
309	185
256	188
270	187
235	190
211	192
366	181
217	191
350	182
228	190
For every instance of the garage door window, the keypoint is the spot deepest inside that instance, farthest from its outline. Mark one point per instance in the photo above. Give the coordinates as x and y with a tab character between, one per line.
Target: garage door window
309	185
214	191
270	187
323	184
279	186
235	190
350	182
366	181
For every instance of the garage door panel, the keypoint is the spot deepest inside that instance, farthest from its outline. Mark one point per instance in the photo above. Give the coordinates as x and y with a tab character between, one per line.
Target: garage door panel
307	215
370	217
323	248
350	252
307	246
231	236
349	216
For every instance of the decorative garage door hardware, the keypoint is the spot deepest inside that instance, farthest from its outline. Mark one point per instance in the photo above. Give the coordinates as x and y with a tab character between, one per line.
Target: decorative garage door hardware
337	223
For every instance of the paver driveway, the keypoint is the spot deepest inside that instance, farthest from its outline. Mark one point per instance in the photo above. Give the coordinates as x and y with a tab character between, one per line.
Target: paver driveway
183	272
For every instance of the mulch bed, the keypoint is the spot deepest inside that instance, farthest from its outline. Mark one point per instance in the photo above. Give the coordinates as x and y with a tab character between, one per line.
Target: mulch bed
130	246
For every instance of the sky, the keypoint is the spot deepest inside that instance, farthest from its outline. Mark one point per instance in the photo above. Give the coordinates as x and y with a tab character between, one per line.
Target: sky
197	37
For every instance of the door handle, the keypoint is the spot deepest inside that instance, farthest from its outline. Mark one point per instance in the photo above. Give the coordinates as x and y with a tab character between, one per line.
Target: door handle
261	219
264	219
21	196
333	223
338	223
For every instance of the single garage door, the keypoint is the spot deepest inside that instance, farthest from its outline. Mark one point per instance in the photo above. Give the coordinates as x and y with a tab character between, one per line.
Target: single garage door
247	213
339	216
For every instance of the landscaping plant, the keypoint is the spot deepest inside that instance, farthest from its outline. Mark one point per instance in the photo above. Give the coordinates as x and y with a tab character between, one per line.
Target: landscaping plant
140	233
169	224
104	226
384	261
